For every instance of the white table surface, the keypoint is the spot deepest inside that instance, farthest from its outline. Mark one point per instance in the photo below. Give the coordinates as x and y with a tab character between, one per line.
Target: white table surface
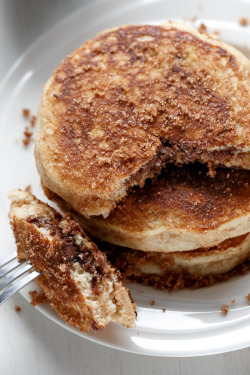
29	342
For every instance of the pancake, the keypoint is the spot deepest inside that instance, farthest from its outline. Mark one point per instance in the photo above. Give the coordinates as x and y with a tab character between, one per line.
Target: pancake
77	279
183	209
133	99
186	269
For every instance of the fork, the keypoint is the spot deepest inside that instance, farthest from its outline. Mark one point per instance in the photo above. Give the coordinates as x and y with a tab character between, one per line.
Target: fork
14	275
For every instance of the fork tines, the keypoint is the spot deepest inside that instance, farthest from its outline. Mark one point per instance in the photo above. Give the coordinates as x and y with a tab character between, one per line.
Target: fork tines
14	275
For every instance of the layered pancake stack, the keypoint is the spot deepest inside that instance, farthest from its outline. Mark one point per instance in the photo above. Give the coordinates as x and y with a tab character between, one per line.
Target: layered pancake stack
184	229
144	134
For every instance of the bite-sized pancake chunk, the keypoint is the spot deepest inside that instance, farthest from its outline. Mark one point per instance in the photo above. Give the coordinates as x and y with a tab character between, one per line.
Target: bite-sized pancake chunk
78	281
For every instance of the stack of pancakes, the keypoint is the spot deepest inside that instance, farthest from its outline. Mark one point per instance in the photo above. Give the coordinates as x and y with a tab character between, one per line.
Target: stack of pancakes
144	133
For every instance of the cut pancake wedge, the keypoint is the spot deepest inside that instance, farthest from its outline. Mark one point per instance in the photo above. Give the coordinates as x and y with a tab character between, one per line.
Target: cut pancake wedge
134	98
78	281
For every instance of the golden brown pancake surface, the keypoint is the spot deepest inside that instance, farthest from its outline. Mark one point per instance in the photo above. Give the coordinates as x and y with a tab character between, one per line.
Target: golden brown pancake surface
186	197
183	209
131	99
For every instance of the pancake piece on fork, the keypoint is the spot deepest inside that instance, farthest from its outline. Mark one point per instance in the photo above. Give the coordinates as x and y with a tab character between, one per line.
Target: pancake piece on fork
133	99
78	281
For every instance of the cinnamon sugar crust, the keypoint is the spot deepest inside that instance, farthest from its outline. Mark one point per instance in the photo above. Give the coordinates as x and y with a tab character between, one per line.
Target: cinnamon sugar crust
134	98
183	209
76	278
180	270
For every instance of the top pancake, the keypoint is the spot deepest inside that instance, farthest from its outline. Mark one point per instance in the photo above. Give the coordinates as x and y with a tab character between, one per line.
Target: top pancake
134	98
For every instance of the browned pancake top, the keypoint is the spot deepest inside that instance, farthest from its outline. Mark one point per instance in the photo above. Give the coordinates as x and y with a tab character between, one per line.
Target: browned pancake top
184	198
130	91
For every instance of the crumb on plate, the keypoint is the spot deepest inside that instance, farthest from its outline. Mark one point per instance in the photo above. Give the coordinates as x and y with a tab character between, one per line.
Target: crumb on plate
37	297
248	297
26	112
224	309
243	21
202	28
28	188
33	121
28	130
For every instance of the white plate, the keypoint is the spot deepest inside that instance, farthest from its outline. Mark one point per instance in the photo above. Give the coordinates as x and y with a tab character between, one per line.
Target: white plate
192	323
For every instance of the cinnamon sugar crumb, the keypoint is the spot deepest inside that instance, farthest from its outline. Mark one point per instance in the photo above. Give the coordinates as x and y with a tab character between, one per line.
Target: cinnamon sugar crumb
33	121
28	189
26	112
26	141
202	28
233	301
243	21
163	310
224	309
17	308
27	136
28	130
37	298
248	297
152	303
